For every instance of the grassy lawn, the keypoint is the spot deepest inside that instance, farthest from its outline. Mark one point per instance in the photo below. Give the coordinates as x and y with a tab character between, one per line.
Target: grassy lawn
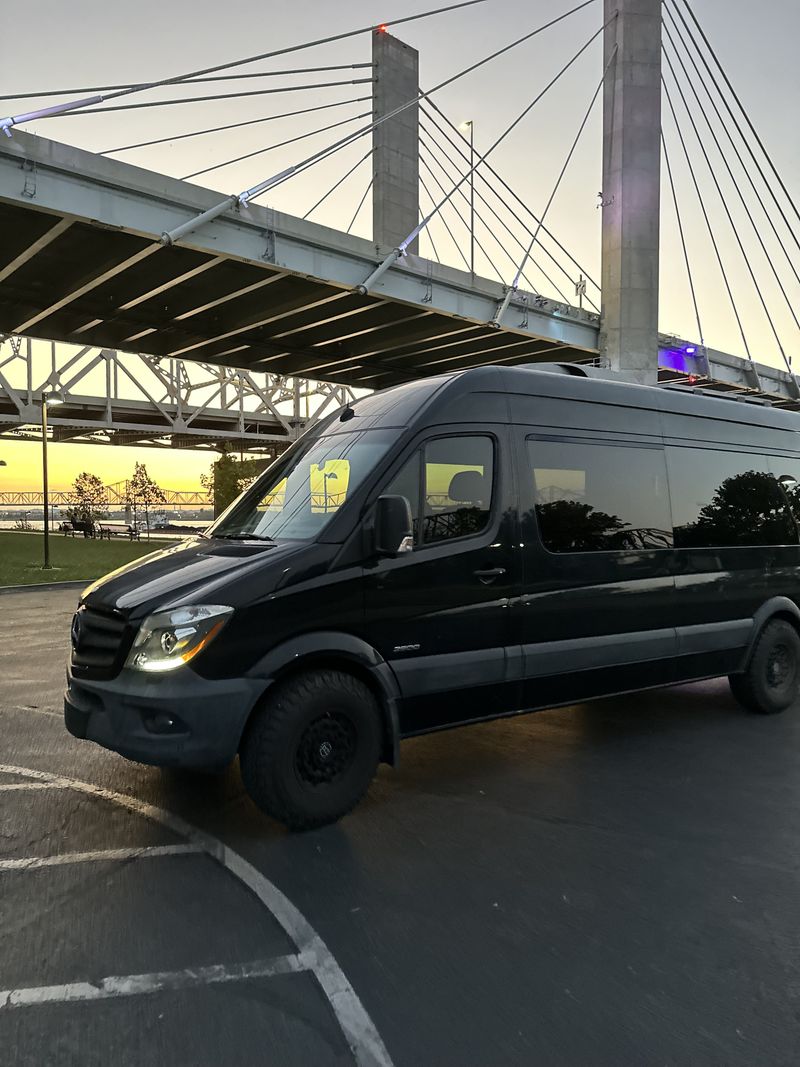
71	558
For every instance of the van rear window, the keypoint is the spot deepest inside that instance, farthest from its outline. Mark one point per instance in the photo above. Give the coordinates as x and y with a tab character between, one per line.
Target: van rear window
727	500
600	498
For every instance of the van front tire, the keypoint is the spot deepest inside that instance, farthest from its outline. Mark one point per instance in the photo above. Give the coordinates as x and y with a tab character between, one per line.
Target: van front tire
770	683
311	750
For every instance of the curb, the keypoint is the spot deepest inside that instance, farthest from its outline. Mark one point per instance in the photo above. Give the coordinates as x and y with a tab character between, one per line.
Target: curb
45	586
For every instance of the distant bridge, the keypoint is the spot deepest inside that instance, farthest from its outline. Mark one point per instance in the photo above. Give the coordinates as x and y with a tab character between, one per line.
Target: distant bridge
116	496
128	399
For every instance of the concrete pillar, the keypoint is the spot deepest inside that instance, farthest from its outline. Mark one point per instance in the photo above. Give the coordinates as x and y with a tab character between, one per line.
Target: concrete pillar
631	188
395	192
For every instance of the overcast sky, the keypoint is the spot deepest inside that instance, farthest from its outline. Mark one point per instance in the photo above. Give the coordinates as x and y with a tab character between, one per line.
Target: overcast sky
56	44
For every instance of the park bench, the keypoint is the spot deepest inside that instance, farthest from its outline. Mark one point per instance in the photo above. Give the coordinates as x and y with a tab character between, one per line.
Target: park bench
71	529
107	530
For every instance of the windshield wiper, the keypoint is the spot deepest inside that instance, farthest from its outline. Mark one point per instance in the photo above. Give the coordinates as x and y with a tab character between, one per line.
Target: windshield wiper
245	537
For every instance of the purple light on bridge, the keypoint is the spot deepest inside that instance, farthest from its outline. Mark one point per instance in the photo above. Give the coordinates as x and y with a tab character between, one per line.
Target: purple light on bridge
671	359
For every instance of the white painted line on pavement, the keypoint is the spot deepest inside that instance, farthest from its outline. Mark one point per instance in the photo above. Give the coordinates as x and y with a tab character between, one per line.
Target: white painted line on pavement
133	985
359	1030
29	863
10	787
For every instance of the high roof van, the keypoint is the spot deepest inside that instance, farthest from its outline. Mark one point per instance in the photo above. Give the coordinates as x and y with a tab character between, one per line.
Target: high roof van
457	549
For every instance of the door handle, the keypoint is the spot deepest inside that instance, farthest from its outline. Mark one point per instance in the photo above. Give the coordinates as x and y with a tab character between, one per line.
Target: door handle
488	576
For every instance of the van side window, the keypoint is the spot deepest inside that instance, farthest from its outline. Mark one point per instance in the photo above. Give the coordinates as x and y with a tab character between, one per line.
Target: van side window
600	498
456	490
726	500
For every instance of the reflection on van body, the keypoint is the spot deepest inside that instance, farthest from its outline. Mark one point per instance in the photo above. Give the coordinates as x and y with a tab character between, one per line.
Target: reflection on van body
453	550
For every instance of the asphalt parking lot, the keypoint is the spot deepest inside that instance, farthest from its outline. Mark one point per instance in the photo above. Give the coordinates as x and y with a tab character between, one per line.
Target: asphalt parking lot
615	883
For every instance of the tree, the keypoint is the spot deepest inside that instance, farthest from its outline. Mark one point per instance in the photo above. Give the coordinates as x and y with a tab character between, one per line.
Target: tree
229	477
569	526
142	491
89	501
747	509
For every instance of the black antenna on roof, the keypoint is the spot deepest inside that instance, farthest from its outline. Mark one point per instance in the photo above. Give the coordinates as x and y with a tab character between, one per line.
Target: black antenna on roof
347	414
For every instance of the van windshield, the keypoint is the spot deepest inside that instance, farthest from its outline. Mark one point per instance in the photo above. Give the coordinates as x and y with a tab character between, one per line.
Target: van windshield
295	500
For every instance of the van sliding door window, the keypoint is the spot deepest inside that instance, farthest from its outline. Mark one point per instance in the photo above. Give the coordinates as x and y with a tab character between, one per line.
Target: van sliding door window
726	500
600	498
452	491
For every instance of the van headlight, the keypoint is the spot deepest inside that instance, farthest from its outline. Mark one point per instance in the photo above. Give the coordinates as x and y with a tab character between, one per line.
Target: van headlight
169	639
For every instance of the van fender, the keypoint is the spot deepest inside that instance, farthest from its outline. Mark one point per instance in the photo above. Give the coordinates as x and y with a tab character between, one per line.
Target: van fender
333	646
777	605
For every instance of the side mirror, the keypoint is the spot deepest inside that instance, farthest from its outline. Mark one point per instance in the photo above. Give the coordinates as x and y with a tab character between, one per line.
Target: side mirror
394	526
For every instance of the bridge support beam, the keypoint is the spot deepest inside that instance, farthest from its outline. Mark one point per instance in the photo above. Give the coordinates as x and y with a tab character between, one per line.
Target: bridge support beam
631	188
395	160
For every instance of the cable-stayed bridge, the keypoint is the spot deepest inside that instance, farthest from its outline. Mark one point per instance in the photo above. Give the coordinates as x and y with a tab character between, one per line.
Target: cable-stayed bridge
103	254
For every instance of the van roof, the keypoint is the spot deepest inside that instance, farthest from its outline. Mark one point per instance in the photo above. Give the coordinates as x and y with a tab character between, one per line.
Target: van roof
597	386
427	398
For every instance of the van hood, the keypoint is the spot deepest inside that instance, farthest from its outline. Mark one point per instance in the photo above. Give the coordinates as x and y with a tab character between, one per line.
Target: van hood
197	568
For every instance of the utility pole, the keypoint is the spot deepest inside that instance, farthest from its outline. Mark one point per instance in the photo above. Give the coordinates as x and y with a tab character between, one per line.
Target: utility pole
470	124
395	159
631	188
51	398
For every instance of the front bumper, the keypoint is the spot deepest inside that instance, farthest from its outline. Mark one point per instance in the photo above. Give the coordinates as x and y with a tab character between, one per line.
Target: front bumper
176	720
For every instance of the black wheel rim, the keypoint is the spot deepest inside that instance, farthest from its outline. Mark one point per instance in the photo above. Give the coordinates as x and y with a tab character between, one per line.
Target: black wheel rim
326	750
780	667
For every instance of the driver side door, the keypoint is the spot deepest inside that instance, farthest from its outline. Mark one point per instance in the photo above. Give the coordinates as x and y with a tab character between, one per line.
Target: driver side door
441	615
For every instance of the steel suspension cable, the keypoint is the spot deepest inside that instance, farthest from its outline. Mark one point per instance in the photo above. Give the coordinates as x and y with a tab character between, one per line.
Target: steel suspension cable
360	204
272	147
488	167
15	120
741	107
341	181
683	239
510	209
732	176
244	197
442	218
188	81
216	96
709	227
461	218
682	35
478	216
429	235
503	305
733	226
250	194
482	219
234	125
401	248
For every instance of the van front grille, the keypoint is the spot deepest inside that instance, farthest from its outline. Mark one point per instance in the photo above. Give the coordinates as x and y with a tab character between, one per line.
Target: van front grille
100	642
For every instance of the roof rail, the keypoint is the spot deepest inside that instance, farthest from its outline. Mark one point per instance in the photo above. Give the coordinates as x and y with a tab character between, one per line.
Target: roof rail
581	370
717	394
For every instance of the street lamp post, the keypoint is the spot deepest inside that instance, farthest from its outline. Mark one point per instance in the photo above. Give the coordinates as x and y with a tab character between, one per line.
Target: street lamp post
469	123
325	479
51	399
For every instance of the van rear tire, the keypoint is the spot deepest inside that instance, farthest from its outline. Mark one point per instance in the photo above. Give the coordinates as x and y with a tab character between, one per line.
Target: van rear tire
311	750
770	683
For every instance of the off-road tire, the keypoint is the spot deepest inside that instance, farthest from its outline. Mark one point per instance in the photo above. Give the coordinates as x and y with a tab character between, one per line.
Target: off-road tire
283	753
770	683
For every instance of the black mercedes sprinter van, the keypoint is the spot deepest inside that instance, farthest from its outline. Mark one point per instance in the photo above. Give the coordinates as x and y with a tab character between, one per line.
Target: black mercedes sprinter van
452	550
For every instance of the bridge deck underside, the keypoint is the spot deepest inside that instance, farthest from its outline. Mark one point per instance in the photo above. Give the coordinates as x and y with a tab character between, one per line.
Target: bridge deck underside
80	262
